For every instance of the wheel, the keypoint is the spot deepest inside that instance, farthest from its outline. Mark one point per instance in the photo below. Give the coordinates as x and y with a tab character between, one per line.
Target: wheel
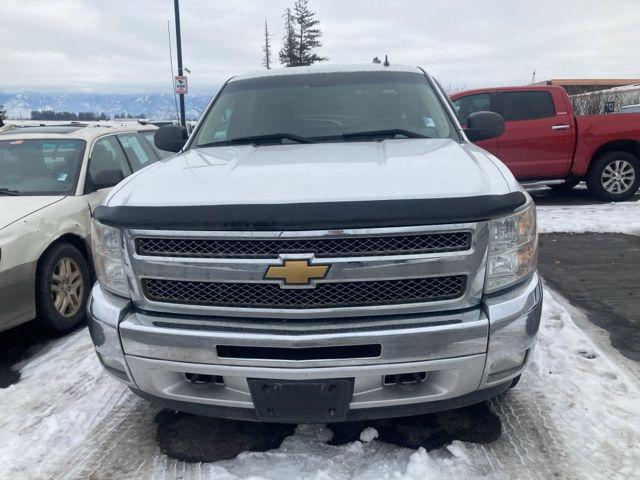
514	382
62	288
566	186
614	176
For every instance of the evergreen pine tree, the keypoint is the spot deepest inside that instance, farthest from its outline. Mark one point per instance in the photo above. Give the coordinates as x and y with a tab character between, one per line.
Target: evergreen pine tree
267	47
308	34
288	52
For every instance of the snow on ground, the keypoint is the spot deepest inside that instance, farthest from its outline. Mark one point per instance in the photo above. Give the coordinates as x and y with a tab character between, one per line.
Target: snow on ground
622	217
574	415
62	396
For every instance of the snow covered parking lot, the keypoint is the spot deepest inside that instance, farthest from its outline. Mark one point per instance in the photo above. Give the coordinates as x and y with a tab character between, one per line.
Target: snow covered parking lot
575	415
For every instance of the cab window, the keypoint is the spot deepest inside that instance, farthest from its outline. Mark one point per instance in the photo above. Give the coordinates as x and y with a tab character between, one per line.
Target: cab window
527	105
465	106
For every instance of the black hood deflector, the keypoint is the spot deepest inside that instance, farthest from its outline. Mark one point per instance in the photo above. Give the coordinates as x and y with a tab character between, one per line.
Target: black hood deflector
313	216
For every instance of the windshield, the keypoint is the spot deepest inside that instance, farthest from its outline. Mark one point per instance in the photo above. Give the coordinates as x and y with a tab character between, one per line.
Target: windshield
40	167
344	106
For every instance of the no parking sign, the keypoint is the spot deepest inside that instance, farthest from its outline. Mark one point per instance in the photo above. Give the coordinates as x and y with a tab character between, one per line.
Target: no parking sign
181	85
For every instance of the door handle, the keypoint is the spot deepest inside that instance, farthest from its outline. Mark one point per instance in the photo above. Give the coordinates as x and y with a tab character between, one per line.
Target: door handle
561	127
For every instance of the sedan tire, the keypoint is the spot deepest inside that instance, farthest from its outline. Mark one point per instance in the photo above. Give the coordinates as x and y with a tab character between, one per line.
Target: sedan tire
62	288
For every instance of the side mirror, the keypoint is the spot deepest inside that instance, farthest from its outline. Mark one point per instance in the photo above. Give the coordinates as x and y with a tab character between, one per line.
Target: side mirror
484	125
170	138
107	179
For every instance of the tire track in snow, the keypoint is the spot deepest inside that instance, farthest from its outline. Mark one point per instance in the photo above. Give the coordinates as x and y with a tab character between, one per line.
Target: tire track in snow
527	444
48	414
121	438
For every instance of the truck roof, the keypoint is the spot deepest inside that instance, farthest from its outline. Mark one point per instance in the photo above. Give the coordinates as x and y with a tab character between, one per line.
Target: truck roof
507	89
362	67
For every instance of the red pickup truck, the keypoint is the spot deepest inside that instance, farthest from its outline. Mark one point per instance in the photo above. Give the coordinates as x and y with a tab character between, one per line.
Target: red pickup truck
545	142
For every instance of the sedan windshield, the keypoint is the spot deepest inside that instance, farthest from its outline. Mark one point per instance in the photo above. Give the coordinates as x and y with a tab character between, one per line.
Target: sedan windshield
40	166
342	106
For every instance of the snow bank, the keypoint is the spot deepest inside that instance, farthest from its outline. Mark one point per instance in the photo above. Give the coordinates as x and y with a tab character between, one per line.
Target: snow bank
592	401
623	217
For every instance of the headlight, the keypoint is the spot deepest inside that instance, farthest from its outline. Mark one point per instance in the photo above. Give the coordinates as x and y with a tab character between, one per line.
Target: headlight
107	256
513	249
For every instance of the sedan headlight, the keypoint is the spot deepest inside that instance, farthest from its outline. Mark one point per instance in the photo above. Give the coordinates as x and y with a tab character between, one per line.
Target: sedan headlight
513	249
107	256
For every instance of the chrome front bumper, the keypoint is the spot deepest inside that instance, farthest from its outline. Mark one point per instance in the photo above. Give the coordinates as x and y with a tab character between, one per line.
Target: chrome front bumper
456	350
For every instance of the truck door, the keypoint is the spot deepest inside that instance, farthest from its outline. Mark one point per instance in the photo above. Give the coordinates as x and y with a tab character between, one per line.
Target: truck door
477	102
538	138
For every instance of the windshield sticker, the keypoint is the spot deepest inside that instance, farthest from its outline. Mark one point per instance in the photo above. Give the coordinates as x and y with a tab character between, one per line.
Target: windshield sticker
62	177
16	142
428	122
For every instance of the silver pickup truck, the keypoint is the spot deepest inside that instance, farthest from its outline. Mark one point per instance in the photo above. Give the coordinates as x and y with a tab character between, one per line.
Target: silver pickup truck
327	246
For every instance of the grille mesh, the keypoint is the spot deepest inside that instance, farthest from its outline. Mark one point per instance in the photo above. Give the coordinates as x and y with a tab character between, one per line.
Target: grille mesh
324	295
320	247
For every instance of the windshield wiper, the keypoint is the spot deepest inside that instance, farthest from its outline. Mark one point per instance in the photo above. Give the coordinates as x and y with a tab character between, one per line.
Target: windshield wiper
8	191
389	133
260	139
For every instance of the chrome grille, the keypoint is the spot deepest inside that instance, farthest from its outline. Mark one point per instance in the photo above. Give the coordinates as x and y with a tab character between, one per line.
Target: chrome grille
355	246
324	295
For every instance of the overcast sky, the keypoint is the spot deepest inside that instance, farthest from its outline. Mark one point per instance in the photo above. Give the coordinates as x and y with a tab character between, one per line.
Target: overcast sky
121	45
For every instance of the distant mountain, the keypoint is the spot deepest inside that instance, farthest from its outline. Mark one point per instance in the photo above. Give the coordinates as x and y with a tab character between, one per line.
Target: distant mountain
155	106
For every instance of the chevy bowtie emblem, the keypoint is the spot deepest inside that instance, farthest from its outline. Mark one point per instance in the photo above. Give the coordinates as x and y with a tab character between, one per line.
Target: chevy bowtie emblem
296	272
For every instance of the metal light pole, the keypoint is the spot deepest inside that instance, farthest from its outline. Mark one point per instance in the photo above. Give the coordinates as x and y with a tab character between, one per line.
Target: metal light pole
176	6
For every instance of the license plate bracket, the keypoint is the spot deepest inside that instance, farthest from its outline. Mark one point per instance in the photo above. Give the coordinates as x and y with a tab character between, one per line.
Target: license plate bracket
301	401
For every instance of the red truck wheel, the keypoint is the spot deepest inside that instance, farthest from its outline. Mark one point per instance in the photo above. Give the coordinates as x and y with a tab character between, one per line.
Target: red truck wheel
614	176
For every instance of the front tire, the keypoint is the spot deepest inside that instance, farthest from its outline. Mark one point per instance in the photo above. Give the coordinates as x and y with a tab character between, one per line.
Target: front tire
614	176
62	289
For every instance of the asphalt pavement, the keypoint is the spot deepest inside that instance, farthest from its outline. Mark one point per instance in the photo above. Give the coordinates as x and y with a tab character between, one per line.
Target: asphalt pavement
17	345
599	273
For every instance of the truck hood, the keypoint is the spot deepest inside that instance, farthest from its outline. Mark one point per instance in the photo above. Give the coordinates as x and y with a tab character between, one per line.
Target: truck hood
13	209
321	172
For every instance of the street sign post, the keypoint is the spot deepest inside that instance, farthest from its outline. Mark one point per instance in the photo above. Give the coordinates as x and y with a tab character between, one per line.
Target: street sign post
176	6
